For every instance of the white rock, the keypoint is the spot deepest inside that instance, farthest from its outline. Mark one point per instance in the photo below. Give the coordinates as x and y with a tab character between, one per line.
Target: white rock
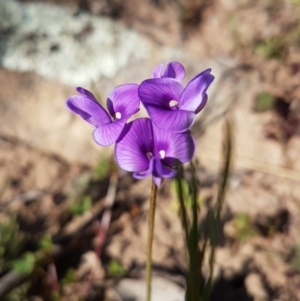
75	49
162	289
10	14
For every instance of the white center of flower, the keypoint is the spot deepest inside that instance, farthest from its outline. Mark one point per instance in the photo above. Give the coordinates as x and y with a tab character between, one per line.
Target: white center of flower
173	103
118	115
149	155
162	154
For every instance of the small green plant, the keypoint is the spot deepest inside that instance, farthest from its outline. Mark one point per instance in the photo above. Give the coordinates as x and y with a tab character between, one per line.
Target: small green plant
187	195
70	277
234	28
11	241
102	169
296	2
263	102
55	296
115	269
45	243
78	202
296	258
196	287
271	48
243	227
82	206
79	187
25	264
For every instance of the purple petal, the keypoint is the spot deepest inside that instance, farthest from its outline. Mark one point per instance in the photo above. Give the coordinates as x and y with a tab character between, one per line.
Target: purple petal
202	104
158	71
176	121
160	91
177	148
144	174
86	93
193	96
162	171
134	144
125	100
109	133
158	181
175	70
90	110
158	170
206	71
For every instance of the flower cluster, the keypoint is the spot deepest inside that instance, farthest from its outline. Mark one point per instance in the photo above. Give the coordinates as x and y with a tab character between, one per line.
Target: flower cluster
155	145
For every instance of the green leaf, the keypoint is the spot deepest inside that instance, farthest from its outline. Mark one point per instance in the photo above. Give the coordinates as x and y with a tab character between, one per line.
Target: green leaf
297	2
296	258
70	277
264	102
115	269
271	48
24	265
80	208
243	227
102	169
215	217
11	241
55	296
46	243
86	203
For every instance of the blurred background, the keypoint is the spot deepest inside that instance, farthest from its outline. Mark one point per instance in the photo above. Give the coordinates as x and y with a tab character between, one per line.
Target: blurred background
57	185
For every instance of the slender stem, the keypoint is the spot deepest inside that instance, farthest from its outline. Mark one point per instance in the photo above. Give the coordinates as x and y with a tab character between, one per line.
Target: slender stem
150	240
183	213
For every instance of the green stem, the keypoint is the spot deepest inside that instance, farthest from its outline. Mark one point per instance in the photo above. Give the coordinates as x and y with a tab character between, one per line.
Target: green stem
150	240
216	218
183	213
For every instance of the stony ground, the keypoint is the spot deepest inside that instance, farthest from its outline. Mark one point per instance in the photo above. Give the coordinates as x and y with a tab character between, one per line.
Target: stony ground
55	182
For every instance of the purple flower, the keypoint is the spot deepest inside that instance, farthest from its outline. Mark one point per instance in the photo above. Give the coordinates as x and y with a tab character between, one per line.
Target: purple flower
122	103
144	149
172	107
173	70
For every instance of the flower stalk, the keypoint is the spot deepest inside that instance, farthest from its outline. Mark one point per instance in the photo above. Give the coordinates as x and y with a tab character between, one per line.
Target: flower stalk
150	240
